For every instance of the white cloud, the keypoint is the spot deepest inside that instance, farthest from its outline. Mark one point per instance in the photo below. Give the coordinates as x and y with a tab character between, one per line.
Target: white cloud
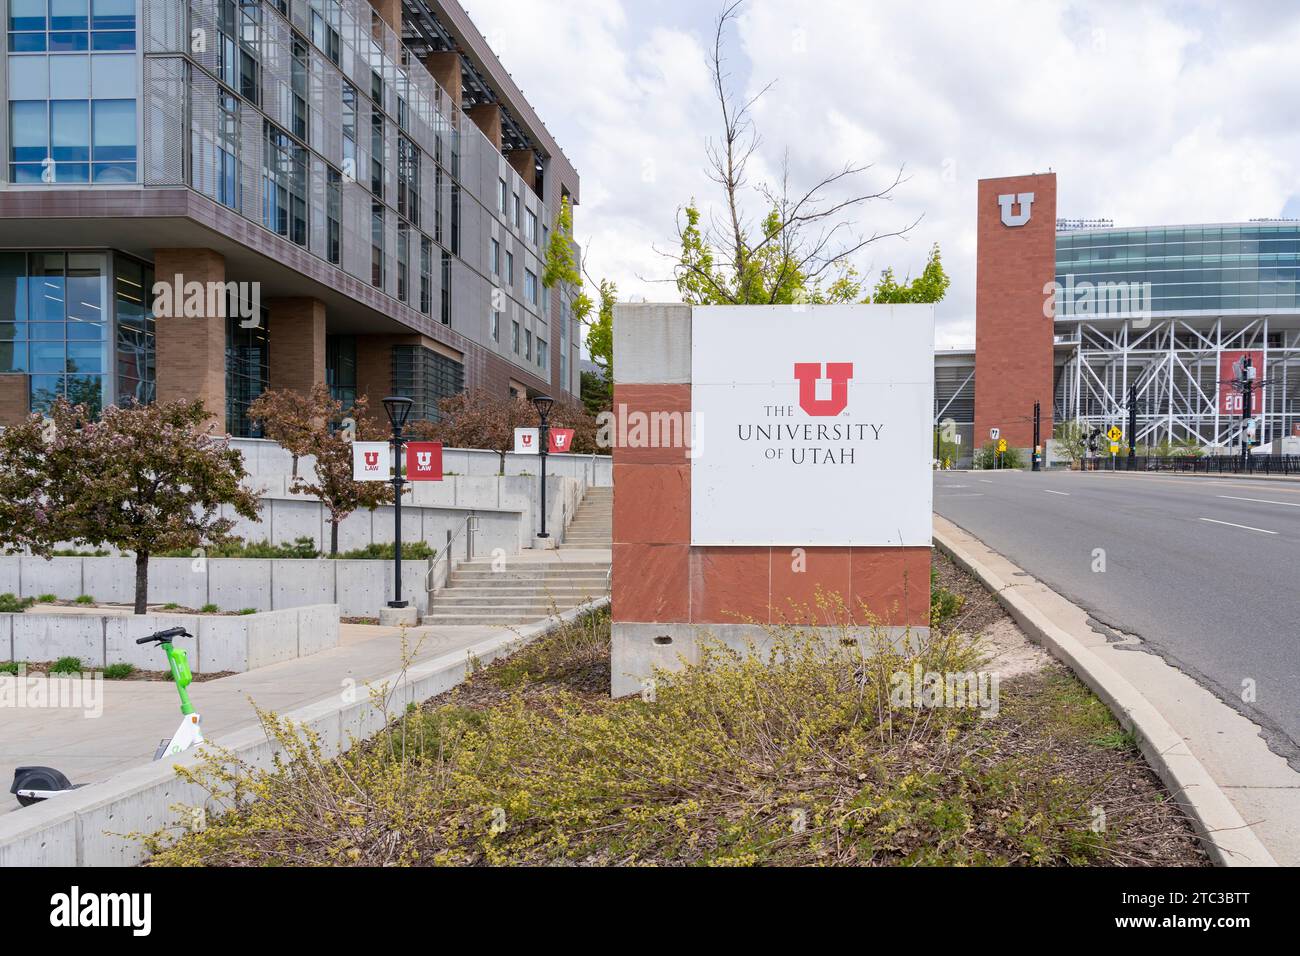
1149	112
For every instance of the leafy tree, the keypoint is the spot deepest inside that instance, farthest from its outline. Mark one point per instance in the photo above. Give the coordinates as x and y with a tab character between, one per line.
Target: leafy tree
600	333
145	479
1072	438
562	270
321	428
930	286
290	418
597	396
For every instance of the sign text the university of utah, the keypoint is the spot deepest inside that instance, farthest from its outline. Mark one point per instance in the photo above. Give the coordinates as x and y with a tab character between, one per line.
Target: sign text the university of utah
817	422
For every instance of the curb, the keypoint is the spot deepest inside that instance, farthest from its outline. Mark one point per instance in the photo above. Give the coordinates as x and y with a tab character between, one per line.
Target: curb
1224	834
90	827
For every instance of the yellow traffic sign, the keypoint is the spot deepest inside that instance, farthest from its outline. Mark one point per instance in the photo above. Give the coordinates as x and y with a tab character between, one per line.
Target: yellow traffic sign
1002	445
1114	448
1114	434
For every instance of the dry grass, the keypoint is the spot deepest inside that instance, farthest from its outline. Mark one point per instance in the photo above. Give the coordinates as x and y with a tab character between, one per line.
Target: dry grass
798	758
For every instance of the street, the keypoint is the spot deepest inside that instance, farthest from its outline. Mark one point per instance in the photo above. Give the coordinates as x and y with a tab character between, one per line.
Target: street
1203	570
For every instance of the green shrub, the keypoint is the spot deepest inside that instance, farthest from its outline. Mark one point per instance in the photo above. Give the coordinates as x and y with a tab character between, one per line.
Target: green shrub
10	667
118	671
47	599
9	604
66	665
411	550
85	599
170	606
209	609
987	457
247	610
944	605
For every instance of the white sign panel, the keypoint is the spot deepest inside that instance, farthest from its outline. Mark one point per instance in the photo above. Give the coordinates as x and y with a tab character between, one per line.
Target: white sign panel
371	461
814	426
526	441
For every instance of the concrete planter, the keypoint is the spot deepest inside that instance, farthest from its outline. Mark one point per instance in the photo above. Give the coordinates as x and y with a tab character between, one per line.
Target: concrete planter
222	643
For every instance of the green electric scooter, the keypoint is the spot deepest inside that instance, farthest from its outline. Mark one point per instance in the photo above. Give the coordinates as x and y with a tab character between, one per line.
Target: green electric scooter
34	784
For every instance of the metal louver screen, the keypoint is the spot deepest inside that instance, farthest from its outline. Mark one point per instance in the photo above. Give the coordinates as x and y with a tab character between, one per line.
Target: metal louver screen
203	132
164	122
251	144
163	23
205	41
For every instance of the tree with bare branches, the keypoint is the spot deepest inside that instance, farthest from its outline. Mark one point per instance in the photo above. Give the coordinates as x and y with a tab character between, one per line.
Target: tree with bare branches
802	248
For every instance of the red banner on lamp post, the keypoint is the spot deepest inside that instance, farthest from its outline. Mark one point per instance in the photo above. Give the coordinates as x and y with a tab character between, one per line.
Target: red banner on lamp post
1230	399
424	461
560	441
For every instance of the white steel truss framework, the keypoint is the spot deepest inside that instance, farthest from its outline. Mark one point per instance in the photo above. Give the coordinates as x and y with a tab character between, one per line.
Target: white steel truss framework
1174	363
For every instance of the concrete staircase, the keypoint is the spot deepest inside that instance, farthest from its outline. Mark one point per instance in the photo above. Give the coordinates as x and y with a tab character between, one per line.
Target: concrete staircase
528	587
593	523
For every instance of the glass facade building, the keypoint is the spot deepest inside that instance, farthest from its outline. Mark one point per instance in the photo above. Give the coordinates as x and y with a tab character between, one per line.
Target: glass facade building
319	127
76	324
1250	267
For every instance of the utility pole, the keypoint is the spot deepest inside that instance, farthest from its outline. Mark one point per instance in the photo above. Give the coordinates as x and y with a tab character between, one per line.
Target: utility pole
1038	421
1132	424
1246	383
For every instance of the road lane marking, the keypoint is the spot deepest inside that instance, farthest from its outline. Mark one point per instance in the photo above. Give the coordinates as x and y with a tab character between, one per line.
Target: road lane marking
967	494
1263	501
987	481
1244	527
1051	492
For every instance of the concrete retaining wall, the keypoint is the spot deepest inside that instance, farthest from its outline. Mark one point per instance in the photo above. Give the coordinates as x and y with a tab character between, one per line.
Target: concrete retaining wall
230	643
359	588
88	827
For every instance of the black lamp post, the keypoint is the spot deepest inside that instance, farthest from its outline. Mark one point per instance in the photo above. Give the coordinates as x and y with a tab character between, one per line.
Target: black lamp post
543	405
398	409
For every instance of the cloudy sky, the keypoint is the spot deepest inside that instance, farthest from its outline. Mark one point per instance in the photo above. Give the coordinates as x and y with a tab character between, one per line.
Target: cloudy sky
1149	113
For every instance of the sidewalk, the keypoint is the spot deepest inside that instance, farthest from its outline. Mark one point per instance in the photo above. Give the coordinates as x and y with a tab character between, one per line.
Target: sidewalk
1258	784
138	714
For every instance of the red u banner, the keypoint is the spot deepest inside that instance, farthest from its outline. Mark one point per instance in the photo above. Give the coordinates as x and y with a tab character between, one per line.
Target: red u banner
424	461
1230	399
560	441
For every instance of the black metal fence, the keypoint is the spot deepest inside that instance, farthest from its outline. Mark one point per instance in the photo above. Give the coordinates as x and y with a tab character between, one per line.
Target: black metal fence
1209	464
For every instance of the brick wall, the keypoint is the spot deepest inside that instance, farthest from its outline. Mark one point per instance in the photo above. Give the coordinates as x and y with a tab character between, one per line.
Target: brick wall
15	398
191	352
1013	338
297	349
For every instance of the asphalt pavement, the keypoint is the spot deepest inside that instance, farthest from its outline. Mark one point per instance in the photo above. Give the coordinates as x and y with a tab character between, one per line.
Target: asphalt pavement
1206	571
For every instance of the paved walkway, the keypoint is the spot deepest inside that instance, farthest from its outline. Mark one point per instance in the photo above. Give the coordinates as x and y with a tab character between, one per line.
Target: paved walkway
136	715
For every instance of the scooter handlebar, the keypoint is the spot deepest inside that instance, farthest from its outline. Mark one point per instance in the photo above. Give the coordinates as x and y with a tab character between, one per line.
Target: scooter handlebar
162	637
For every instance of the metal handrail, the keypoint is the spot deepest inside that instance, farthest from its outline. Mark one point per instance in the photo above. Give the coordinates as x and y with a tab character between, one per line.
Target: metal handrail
469	526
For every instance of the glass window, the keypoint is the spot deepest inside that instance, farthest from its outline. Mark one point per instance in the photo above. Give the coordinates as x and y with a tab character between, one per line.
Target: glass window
246	371
69	15
496	258
114	141
426	274
446	288
28	140
29	78
70	130
27	15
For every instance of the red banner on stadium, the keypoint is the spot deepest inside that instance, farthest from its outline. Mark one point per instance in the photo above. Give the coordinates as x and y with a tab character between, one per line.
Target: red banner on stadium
1230	399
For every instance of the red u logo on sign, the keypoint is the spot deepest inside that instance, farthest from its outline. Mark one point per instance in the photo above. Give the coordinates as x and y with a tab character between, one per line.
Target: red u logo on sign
807	374
372	459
